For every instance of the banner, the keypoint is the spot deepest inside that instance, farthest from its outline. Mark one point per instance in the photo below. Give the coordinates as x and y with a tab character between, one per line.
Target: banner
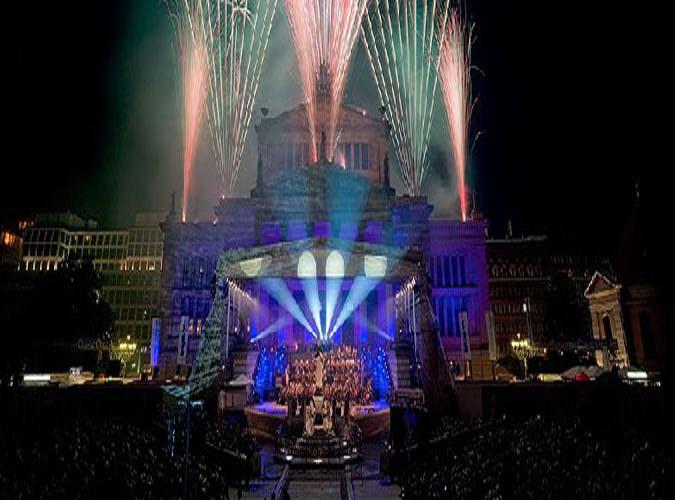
492	341
154	342
464	334
183	339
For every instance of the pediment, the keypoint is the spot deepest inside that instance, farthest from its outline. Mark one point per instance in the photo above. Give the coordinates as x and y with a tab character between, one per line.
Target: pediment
322	182
296	118
600	283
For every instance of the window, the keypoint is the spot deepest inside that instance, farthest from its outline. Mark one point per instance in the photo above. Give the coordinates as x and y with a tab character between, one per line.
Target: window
289	155
357	156
462	271
186	272
364	157
607	327
439	271
450	312
441	316
348	156
455	274
298	155
647	334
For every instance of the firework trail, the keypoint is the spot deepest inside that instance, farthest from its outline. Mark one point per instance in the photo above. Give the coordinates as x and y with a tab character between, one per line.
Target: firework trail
238	35
193	48
235	36
455	75
403	52
324	33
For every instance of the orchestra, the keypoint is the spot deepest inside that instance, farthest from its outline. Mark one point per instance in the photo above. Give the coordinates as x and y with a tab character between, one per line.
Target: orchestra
336	376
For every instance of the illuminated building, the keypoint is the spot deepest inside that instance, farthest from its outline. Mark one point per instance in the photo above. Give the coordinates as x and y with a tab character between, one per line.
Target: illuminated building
305	213
129	261
631	307
10	249
521	273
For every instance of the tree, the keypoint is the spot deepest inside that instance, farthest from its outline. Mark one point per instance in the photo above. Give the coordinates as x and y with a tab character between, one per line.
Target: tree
62	307
565	310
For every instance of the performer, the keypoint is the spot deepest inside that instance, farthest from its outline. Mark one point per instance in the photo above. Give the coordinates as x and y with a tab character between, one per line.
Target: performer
309	418
318	369
327	416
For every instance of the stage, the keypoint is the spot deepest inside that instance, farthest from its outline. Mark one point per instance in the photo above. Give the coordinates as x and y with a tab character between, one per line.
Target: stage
265	418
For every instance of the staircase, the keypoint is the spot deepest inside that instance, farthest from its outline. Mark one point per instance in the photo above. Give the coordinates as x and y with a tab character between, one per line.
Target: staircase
399	363
240	363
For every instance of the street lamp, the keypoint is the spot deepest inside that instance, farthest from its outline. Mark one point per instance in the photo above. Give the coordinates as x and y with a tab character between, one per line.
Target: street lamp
527	309
522	349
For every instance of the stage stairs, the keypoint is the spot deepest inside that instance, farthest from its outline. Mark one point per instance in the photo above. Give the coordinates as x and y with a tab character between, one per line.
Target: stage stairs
399	365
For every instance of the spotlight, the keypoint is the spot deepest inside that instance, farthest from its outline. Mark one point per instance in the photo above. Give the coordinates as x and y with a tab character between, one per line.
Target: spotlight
306	265
375	266
335	265
251	267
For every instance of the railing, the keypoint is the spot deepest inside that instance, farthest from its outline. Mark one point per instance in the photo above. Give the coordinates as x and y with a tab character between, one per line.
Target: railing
281	483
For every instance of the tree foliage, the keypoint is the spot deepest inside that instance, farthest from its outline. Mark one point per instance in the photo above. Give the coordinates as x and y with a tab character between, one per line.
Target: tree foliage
48	313
565	309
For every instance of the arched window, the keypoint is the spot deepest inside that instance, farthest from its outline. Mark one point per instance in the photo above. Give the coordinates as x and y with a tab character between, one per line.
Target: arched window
607	327
647	334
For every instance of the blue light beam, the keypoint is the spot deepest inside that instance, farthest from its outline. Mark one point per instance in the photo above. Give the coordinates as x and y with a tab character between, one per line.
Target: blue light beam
335	271
270	329
307	276
278	290
360	289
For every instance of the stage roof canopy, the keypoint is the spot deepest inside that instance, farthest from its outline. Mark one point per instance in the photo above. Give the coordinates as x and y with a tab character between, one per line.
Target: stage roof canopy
321	258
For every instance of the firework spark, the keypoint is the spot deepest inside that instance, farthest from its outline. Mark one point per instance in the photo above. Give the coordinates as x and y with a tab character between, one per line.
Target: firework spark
455	75
403	51
234	35
195	81
238	34
324	33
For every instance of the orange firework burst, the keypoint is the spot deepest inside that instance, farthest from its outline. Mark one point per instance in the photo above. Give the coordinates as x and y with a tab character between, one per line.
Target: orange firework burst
195	87
193	56
324	33
455	74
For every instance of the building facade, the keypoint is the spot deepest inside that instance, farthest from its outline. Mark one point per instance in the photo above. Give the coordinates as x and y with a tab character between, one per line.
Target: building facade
323	207
523	273
128	260
11	244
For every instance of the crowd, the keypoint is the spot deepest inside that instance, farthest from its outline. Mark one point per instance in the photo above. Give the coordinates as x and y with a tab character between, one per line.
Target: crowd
538	458
87	458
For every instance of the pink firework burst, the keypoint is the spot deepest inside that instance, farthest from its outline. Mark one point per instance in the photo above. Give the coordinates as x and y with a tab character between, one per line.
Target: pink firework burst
454	70
195	87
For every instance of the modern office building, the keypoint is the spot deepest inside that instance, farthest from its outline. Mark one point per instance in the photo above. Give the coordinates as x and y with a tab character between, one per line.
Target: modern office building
11	244
129	261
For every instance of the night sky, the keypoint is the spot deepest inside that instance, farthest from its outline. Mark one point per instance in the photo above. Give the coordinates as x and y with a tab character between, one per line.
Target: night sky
575	106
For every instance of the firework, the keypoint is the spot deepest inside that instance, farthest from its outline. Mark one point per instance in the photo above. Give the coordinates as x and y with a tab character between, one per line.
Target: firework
324	33
455	75
194	76
238	34
234	35
403	51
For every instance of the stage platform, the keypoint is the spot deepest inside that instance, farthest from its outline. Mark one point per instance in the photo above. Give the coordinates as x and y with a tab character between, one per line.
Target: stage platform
265	418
